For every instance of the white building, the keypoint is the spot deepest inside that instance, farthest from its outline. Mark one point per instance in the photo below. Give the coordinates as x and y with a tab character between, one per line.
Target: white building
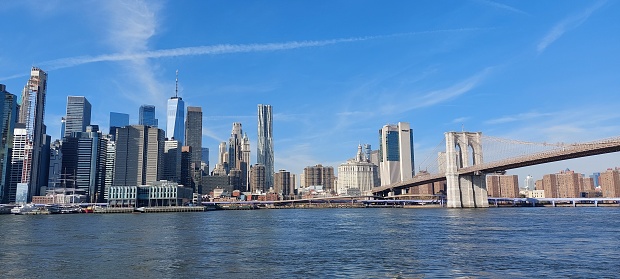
357	176
396	153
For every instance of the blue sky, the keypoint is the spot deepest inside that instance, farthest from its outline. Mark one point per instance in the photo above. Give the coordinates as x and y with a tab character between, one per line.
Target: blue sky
334	71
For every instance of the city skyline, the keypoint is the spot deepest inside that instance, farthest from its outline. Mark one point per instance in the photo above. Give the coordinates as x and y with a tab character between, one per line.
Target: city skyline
530	71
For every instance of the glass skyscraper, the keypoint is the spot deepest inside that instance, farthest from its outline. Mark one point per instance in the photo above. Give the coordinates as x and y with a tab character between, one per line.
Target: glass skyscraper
117	120
193	133
396	153
147	116
264	154
7	124
175	125
78	115
27	146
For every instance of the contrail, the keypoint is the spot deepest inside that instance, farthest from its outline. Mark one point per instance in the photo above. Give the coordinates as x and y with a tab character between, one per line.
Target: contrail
220	49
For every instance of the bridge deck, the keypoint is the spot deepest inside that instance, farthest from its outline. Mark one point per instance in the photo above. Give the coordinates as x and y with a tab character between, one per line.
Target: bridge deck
569	152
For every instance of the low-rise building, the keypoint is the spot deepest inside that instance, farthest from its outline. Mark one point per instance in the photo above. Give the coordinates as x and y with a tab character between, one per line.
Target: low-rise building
160	193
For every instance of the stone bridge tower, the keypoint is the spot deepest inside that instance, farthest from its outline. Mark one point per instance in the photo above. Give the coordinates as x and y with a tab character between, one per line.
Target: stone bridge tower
464	149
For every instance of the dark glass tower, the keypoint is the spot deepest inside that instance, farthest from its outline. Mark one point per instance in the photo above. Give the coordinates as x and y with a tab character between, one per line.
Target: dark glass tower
147	116
78	115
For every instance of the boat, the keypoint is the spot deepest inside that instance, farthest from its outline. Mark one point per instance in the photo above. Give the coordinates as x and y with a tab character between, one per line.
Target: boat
34	209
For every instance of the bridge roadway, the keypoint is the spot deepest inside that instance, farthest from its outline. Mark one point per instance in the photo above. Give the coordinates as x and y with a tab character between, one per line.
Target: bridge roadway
568	152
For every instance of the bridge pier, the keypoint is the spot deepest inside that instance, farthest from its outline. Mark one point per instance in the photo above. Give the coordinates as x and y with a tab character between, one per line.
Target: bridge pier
470	190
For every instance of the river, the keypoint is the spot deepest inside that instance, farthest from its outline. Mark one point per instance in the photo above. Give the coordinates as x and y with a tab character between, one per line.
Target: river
316	243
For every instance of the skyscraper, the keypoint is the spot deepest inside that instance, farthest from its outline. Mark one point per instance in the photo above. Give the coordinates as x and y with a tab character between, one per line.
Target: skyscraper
319	175
172	161
245	155
193	132
139	157
205	158
264	154
257	178
78	115
8	115
84	159
26	161
238	146
146	116
175	117
284	183
117	120
396	153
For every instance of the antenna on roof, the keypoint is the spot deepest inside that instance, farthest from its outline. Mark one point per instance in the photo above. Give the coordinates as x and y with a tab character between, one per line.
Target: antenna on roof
176	89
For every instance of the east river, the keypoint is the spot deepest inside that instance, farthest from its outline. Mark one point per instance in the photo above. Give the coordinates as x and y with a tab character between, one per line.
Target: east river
316	243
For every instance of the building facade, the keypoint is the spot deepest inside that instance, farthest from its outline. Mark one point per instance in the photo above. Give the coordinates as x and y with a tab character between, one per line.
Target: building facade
175	119
118	120
84	160
193	134
257	179
78	115
396	158
565	184
172	161
284	183
610	183
503	186
8	118
264	145
357	176
139	156
319	175
146	116
27	161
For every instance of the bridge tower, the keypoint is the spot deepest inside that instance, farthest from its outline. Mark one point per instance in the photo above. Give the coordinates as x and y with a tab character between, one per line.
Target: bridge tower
464	191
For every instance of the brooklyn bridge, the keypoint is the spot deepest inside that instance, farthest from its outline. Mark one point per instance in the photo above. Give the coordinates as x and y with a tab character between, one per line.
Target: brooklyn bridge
463	159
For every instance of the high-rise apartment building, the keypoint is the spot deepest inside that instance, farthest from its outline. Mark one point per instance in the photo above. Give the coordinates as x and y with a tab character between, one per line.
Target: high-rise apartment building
284	183
193	134
564	184
358	175
503	186
610	183
319	175
257	179
78	115
8	117
146	116
264	145
84	157
396	153
26	164
139	157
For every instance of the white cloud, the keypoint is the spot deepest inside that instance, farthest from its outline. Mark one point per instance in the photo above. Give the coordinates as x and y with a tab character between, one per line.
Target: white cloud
139	31
435	97
502	6
518	117
565	25
460	120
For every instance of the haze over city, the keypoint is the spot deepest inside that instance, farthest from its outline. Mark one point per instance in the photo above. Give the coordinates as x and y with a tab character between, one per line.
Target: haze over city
335	72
